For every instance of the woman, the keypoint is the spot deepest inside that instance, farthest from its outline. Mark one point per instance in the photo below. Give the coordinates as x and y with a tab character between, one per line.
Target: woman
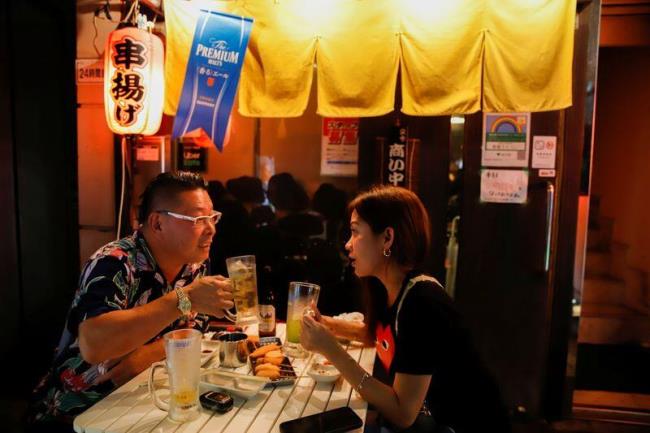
428	378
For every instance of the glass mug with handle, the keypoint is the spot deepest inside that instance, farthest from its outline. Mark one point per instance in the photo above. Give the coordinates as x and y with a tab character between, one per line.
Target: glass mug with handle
183	364
301	295
243	276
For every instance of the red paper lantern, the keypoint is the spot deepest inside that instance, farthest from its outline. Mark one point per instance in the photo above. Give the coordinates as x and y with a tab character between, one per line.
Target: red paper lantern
133	81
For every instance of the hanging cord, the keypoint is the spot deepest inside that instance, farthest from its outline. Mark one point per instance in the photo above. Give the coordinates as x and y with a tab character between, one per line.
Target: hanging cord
131	18
153	23
119	215
104	10
135	7
96	34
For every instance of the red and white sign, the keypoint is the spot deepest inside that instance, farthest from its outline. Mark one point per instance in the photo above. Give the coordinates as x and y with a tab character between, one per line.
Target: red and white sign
340	147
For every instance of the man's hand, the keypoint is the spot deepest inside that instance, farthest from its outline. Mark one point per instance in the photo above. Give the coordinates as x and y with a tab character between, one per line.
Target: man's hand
210	295
134	363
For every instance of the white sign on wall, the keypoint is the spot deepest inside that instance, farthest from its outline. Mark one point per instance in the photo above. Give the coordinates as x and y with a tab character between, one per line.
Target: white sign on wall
544	150
504	186
89	71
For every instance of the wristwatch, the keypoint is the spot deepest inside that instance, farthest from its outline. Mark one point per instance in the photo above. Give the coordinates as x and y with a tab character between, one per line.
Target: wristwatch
184	303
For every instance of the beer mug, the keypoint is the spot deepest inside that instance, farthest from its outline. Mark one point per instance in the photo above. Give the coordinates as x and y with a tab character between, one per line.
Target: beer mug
241	271
183	364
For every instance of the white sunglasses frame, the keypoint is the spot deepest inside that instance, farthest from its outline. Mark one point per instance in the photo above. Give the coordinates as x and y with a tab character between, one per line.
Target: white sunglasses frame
194	220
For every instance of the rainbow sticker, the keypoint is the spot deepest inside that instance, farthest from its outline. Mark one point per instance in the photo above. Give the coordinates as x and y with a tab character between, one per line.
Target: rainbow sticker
506	124
505	139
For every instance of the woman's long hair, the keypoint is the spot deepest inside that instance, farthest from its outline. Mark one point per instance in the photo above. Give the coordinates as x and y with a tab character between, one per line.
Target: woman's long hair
390	206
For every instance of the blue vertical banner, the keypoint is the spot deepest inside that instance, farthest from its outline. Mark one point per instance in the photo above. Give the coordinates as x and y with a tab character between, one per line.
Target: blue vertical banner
212	75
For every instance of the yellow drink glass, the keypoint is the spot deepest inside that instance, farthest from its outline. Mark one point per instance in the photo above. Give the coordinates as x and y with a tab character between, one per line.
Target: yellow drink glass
301	295
242	273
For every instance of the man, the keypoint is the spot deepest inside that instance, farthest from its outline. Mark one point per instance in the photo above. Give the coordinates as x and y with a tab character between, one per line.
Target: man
131	292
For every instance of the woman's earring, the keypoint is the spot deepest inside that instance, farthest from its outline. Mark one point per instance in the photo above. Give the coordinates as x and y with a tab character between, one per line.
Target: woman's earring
387	252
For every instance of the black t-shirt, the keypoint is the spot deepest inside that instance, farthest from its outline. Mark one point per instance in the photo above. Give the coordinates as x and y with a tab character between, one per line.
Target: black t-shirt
431	340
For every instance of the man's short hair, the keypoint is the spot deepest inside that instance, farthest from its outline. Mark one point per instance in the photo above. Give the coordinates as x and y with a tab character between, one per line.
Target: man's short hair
165	187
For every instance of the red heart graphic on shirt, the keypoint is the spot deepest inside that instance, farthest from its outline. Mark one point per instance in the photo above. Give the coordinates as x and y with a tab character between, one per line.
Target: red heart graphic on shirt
385	345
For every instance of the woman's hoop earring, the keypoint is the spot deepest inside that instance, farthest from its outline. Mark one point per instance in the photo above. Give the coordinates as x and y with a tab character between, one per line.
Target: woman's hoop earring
387	253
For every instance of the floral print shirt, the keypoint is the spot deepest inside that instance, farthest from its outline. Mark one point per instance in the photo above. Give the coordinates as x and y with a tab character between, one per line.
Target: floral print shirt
121	275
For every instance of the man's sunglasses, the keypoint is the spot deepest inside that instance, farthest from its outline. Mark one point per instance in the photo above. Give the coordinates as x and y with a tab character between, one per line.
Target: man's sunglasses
211	219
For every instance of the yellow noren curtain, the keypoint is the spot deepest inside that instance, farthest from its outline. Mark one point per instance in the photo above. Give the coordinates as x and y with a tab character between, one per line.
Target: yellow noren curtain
357	58
455	56
528	55
442	52
279	65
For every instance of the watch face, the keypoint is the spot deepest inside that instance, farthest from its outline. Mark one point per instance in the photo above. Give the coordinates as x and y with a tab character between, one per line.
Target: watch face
184	304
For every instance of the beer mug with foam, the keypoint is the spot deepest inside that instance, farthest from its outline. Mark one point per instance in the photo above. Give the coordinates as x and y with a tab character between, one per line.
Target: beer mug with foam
183	364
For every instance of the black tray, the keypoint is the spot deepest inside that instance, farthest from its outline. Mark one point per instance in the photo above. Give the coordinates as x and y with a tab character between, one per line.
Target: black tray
287	373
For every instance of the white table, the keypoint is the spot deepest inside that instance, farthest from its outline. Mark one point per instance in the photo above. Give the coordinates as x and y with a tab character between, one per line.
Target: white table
130	409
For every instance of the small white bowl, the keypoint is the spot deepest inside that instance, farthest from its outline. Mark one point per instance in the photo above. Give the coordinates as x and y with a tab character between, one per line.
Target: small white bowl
324	373
209	349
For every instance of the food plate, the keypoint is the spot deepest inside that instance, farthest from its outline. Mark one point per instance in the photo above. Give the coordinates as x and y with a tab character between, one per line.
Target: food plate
355	316
323	373
321	370
282	370
241	385
209	349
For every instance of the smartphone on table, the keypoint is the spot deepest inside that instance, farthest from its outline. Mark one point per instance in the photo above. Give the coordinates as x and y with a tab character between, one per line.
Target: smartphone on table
331	421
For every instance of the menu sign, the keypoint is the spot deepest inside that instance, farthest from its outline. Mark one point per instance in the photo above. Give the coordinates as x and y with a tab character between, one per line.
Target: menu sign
504	186
339	147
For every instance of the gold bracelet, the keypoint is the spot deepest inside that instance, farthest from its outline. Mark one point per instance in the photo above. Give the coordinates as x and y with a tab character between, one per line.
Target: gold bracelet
365	377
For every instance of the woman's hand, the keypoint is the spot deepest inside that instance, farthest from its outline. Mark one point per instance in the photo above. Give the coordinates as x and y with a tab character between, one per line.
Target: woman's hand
317	315
315	337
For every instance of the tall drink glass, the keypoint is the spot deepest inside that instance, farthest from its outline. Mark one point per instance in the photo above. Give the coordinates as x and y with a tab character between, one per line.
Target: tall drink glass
241	271
300	298
183	364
